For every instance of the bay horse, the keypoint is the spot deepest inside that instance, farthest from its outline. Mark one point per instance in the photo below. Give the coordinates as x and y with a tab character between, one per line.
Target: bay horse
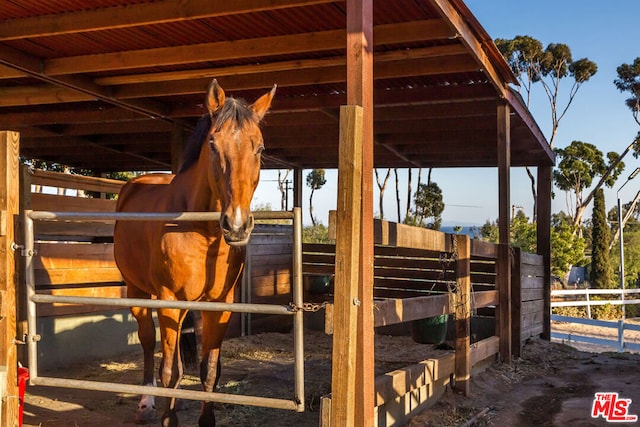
192	261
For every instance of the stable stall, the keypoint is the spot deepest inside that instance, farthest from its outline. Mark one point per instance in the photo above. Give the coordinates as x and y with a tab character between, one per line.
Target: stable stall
361	84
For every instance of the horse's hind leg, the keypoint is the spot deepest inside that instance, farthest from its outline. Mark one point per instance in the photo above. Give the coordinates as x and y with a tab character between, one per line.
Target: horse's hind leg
214	327
146	411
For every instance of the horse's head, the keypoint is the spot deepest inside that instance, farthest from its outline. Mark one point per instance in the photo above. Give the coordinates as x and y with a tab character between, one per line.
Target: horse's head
235	145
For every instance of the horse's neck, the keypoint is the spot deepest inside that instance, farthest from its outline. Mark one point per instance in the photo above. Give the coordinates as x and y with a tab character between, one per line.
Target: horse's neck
192	192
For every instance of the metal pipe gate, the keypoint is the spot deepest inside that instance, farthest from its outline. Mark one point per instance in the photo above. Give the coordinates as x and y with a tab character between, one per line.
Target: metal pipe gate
296	404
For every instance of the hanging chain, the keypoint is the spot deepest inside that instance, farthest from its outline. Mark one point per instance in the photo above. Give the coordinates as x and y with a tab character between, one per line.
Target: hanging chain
307	306
445	263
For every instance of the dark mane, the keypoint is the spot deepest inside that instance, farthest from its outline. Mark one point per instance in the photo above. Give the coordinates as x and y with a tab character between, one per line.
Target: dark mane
233	109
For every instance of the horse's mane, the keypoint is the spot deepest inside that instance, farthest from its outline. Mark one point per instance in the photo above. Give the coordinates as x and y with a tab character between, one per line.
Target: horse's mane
235	109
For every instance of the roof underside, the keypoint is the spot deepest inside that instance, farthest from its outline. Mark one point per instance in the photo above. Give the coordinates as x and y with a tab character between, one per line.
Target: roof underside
108	84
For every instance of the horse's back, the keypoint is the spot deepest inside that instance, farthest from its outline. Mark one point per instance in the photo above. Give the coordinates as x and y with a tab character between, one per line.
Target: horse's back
145	193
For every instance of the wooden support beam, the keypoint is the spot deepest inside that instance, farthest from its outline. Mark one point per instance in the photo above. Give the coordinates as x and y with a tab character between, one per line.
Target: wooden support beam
543	232
465	33
504	222
360	43
504	176
347	269
9	205
297	188
234	49
462	251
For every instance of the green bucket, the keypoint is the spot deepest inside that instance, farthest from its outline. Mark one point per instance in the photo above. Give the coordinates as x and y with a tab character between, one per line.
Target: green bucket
432	330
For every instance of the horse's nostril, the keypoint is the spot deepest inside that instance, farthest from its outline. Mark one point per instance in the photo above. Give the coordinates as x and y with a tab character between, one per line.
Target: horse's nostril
225	223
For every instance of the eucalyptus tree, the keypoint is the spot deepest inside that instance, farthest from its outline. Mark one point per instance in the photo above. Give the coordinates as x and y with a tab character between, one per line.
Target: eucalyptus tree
629	81
315	181
580	164
531	63
382	185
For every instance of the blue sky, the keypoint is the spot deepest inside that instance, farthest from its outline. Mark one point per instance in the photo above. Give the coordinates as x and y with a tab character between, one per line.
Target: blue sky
603	31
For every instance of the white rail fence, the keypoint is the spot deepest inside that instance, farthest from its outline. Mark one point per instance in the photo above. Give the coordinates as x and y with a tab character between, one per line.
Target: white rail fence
582	299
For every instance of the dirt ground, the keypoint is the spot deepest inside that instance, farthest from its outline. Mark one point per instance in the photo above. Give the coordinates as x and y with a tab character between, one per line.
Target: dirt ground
552	384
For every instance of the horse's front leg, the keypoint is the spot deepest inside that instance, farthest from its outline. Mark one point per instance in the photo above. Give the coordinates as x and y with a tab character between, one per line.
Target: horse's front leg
146	411
170	321
214	327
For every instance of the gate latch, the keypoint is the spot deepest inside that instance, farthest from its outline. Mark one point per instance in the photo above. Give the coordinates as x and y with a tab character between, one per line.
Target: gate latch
25	339
23	251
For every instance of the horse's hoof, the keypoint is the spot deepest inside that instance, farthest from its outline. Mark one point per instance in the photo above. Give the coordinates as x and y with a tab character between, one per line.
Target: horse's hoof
170	420
145	414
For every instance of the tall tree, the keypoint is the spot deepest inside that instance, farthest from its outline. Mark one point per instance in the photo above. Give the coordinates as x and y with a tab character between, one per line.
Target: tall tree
428	205
580	164
382	185
395	172
531	64
600	275
407	211
567	247
629	81
315	181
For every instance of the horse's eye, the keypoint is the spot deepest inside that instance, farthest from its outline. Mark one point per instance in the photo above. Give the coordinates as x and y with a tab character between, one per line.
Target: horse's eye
259	149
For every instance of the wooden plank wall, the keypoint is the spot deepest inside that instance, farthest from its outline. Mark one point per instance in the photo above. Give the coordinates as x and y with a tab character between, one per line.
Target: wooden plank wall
527	298
414	272
268	273
270	261
72	258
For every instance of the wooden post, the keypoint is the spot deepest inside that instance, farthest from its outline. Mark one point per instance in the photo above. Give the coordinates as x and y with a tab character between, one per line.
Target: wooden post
347	269
463	313
360	92
543	232
504	261
297	188
9	191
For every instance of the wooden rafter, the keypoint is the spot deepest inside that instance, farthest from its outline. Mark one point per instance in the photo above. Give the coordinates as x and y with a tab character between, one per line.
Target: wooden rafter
136	15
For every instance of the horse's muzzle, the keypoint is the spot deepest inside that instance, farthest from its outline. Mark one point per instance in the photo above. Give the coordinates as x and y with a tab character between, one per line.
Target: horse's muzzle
236	233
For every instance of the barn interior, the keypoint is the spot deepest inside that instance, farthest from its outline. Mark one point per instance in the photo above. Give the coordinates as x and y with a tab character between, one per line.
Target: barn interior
117	85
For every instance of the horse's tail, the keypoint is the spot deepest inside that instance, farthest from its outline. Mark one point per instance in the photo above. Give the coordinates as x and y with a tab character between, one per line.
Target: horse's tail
188	340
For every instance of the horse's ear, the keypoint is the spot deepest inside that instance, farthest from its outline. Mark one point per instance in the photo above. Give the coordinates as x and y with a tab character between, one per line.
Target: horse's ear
263	103
215	97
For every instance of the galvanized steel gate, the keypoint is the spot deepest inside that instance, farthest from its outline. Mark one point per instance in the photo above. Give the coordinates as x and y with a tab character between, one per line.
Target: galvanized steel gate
295	309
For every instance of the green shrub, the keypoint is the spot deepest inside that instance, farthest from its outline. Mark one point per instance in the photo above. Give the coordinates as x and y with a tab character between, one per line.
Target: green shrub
570	311
606	312
316	234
